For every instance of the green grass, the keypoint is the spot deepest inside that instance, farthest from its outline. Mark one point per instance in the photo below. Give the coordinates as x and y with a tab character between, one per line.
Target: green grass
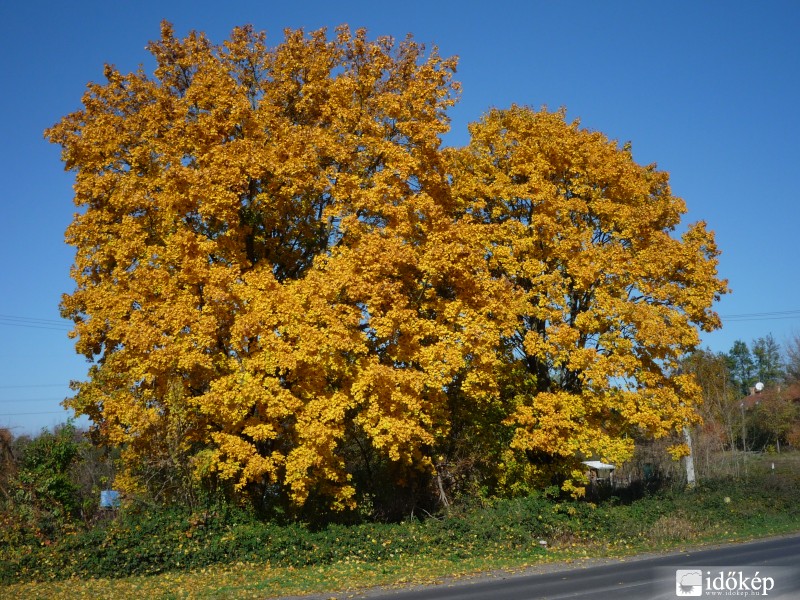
182	556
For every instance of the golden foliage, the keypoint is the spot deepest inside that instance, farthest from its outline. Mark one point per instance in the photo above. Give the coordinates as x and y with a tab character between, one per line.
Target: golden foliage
276	258
612	299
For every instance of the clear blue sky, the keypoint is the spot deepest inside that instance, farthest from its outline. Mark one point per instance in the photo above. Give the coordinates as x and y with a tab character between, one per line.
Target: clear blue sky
708	90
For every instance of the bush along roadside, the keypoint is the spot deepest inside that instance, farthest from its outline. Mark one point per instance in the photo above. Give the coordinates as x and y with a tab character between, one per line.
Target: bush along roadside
141	542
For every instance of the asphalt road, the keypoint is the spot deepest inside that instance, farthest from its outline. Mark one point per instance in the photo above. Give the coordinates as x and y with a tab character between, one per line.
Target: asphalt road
639	578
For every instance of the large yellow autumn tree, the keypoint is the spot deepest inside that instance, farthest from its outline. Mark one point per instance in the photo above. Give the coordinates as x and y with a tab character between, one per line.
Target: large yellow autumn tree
284	282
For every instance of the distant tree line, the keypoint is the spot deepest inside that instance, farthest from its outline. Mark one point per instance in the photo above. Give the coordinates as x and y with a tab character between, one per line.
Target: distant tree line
737	416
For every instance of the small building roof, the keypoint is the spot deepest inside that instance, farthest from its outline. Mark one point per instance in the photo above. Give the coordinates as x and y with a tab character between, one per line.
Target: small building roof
600	466
789	392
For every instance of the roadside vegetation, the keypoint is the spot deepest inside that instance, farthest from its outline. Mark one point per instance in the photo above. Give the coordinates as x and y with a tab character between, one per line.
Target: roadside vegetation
224	552
177	538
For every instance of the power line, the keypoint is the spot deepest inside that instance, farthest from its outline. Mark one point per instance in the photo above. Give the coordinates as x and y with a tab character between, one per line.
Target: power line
759	314
49	412
33	385
33	323
33	319
762	316
760	319
62	329
10	400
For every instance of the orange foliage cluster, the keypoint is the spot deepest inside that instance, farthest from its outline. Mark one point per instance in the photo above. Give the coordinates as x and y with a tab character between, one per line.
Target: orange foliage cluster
276	259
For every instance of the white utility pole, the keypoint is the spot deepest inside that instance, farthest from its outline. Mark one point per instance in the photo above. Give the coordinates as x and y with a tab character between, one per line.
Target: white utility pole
688	461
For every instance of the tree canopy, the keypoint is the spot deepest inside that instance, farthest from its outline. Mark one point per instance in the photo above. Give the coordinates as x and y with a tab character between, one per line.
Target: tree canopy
285	281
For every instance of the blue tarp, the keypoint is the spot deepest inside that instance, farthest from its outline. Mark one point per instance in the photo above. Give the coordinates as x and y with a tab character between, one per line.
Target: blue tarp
109	499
